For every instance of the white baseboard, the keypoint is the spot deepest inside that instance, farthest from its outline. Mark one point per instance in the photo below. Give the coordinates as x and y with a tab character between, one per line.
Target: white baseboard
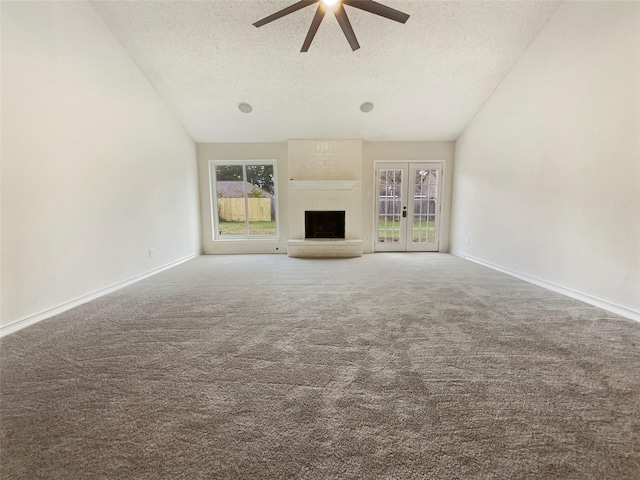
596	302
30	320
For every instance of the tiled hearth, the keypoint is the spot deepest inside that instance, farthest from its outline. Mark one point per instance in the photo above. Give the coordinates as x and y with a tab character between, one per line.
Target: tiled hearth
325	175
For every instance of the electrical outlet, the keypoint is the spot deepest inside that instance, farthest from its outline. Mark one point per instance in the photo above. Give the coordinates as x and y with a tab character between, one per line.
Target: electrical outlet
366	237
151	252
467	240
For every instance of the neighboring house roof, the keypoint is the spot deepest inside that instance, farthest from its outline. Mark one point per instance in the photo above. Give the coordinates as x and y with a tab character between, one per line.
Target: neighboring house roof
233	189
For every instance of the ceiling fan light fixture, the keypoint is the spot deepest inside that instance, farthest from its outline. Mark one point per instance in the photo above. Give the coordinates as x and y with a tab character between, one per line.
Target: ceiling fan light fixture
340	14
245	107
366	107
330	4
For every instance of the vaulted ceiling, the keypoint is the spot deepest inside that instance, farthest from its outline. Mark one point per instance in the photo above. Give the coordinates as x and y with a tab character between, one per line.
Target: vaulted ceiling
426	78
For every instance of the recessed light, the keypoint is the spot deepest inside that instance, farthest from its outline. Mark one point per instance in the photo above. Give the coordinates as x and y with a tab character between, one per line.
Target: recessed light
245	108
366	107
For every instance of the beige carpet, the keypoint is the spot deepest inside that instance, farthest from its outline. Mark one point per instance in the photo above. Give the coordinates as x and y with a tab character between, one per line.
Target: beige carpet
389	366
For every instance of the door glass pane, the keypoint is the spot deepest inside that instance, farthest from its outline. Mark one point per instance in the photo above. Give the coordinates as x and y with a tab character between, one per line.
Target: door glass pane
389	205
261	200
425	204
230	188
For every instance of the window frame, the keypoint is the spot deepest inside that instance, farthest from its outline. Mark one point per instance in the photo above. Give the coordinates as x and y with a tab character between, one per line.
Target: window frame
213	199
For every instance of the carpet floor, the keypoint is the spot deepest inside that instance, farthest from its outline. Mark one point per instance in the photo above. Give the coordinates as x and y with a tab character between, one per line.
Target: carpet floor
389	366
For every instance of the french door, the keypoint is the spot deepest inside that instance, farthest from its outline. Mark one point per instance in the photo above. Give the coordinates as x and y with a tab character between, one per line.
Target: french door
408	206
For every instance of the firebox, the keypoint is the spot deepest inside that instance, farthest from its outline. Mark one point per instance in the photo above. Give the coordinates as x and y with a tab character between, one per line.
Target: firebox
324	224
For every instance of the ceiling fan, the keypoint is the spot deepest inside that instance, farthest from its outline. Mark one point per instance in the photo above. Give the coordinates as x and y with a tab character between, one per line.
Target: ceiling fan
337	6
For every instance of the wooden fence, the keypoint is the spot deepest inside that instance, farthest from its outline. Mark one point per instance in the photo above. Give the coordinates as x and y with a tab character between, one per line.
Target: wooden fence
232	209
423	208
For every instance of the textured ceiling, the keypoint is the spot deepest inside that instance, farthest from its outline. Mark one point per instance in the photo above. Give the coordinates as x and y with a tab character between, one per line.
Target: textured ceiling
426	78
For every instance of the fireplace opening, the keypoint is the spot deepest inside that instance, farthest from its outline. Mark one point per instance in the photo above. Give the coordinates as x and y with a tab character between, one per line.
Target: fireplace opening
324	224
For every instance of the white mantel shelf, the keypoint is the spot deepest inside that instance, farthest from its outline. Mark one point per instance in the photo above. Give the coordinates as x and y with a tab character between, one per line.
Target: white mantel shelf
324	184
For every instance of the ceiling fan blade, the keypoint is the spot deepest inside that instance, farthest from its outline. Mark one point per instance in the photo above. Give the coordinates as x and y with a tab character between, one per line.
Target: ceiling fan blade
285	11
347	29
378	9
315	24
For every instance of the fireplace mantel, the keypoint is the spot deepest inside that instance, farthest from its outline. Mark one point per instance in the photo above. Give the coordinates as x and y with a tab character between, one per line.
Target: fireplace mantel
324	184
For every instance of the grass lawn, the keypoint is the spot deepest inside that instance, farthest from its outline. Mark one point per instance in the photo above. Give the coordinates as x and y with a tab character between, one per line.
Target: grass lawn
391	231
255	228
269	228
396	225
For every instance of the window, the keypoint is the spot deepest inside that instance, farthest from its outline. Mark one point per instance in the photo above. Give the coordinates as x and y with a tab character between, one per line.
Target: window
243	199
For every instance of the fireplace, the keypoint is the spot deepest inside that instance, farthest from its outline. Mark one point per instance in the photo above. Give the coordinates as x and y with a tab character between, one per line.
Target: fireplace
324	224
325	198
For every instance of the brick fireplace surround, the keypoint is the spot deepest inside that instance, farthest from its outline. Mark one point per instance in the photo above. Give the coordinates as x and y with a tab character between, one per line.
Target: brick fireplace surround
325	175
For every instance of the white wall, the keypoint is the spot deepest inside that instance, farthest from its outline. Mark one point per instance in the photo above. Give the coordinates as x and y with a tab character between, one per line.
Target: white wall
95	170
547	175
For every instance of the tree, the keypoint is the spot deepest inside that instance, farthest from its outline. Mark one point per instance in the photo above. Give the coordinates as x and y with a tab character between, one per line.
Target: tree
260	176
229	173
